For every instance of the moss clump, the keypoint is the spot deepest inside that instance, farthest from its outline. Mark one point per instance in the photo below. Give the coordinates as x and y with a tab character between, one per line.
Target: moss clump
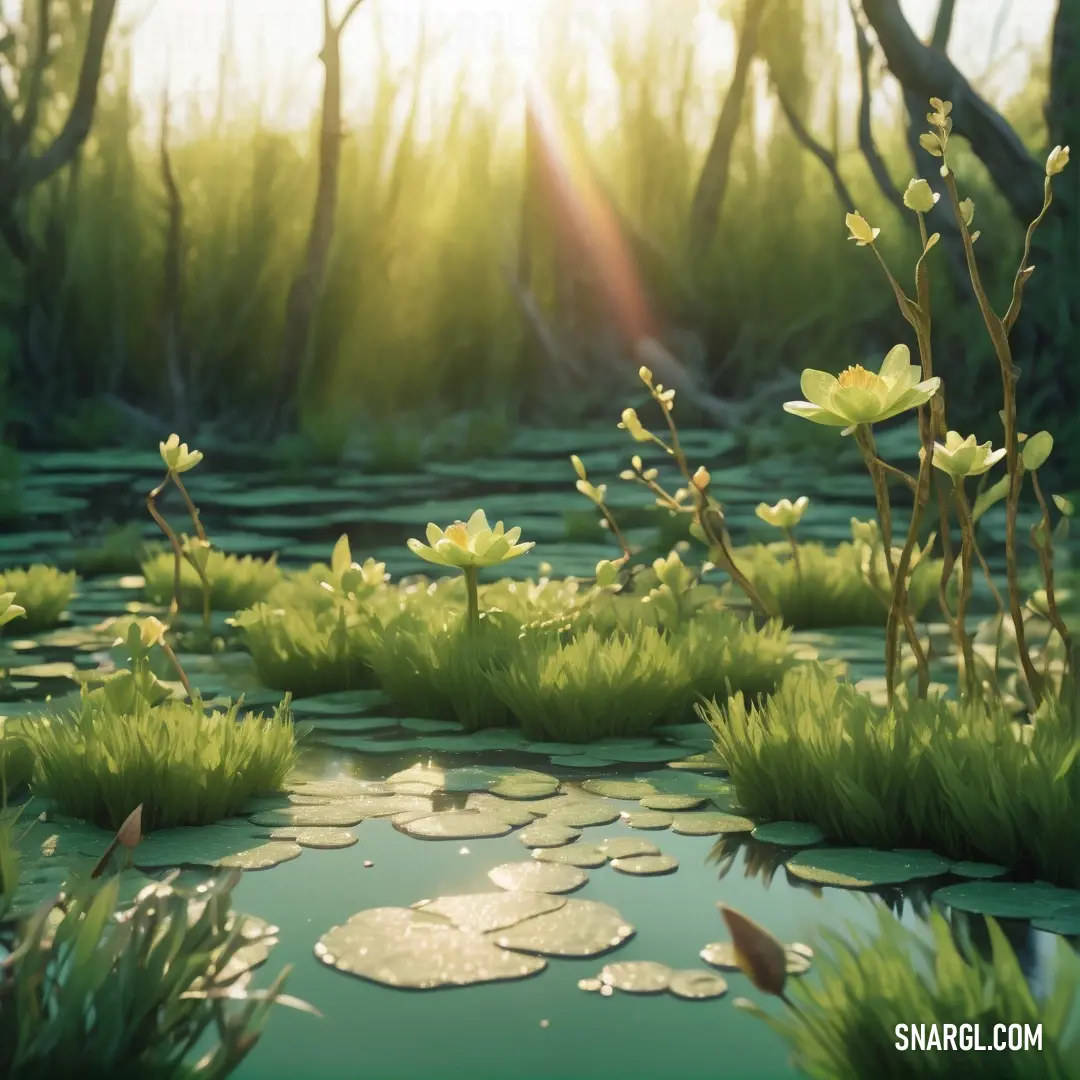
43	591
235	582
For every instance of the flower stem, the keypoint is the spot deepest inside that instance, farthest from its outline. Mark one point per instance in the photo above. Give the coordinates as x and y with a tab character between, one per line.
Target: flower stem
166	528
794	554
1046	558
473	594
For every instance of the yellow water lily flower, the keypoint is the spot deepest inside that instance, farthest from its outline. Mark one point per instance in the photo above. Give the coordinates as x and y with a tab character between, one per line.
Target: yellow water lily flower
470	544
859	396
176	455
961	457
9	609
785	514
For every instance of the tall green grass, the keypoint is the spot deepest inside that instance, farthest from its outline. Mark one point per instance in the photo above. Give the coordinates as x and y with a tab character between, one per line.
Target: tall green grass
416	314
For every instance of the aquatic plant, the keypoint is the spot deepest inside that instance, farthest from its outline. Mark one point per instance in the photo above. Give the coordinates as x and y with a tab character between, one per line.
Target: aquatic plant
469	546
127	744
963	779
433	663
869	992
16	757
830	587
142	986
858	399
42	591
235	582
119	550
590	687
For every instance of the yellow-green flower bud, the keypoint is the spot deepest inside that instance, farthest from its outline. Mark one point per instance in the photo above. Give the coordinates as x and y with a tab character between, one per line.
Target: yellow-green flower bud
919	197
632	424
606	573
1058	159
579	467
701	478
860	230
785	514
961	457
176	455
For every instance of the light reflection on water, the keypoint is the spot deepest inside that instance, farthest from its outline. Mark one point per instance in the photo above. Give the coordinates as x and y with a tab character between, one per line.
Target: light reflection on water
493	1031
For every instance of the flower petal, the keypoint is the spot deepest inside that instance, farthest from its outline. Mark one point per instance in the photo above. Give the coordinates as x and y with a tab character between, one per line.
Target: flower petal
809	411
477	523
818	387
896	362
434	533
425	553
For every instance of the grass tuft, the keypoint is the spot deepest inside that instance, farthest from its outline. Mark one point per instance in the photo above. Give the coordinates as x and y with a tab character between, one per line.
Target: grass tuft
235	582
964	780
43	591
185	767
829	588
862	988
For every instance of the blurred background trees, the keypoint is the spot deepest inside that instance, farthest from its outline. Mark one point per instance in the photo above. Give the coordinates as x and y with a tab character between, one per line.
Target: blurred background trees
428	239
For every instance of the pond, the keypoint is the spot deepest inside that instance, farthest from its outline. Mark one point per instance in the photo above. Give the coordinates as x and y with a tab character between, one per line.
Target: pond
544	1025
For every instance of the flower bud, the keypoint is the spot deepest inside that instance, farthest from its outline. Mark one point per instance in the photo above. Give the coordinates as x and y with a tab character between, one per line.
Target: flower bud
1058	159
919	197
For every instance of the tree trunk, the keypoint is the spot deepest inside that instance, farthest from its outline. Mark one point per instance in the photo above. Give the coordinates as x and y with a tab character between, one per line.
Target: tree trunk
711	187
306	289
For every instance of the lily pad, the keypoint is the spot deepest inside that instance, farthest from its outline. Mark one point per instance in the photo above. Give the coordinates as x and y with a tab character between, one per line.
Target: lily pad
536	786
513	813
710	823
672	802
788	834
582	813
967	869
721	954
580	928
337	789
488	777
649	819
1010	899
480	913
865	868
697	985
619	789
410	949
344	813
646	865
538	876
637	976
636	751
419	723
547	834
262	857
705	763
456	825
582	761
205	845
341	703
626	847
585	856
316	837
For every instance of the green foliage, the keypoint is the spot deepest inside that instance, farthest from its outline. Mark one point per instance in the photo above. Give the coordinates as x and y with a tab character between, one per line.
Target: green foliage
9	858
185	766
235	582
431	664
140	987
843	1026
724	654
964	780
16	757
308	651
120	550
43	591
830	587
590	687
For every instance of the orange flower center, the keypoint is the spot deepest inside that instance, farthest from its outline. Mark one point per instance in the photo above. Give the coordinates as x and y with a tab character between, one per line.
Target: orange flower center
857	376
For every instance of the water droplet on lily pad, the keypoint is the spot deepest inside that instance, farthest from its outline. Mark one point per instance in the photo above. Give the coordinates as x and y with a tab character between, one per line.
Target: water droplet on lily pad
637	976
697	985
538	877
672	802
547	834
646	865
788	834
455	825
480	913
626	847
583	813
1009	899
864	868
648	819
262	857
580	928
404	948
316	837
710	823
585	856
619	789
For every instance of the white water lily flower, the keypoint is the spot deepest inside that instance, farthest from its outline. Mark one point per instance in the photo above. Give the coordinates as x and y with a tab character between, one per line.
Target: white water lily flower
859	396
470	544
961	457
785	514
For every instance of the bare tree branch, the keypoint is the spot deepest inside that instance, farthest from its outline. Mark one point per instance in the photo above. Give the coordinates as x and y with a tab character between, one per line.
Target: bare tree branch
819	150
926	73
26	171
711	187
28	121
939	39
